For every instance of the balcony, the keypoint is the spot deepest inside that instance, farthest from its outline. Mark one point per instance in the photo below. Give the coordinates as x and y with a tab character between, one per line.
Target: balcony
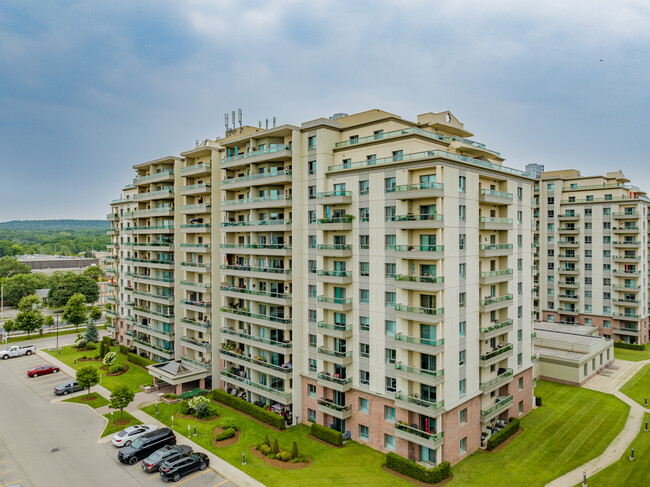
247	384
194	344
203	267
421	345
202	248
156	332
195	189
495	329
626	273
418	191
625	259
627	302
626	316
147	278
154	246
334	198
568	271
568	311
153	315
112	217
498	381
164	175
409	221
495	356
257	226
569	298
569	229
334	277
196	228
334	250
628	331
154	195
429	377
274	346
425	252
166	264
166	210
572	244
492	303
277	274
419	437
258	249
503	403
203	362
267	178
337	331
416	313
494	223
626	244
568	217
195	286
256	363
196	169
339	358
157	229
281	299
336	304
155	349
258	319
276	152
273	201
420	406
622	215
325	379
196	209
495	276
327	406
201	326
626	287
494	250
569	257
342	223
626	229
494	197
420	283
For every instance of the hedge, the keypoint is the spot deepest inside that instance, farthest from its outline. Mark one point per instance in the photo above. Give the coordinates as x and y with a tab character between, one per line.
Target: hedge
224	435
137	360
326	434
629	346
418	472
193	393
248	408
125	350
504	434
107	340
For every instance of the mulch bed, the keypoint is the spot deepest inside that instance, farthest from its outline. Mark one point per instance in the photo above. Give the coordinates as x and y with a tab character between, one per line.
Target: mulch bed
324	442
92	359
226	442
248	416
88	399
122	422
126	369
505	442
412	480
279	463
194	418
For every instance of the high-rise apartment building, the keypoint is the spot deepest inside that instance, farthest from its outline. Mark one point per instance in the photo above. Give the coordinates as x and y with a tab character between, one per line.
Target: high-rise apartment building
366	272
592	253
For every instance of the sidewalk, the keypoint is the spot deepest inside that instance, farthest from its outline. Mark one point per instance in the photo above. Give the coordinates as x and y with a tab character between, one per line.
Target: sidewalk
222	467
621	444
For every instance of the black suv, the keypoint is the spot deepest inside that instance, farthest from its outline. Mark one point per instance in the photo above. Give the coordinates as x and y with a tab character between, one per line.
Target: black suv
145	445
167	453
175	469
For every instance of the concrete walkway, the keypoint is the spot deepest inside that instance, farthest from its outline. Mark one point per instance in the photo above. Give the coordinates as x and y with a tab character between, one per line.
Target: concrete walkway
222	467
622	443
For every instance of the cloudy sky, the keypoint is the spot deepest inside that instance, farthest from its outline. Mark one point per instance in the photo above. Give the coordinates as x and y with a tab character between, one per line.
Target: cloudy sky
89	88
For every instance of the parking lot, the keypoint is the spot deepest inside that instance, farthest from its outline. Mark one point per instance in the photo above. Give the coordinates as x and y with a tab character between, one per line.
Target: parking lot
53	444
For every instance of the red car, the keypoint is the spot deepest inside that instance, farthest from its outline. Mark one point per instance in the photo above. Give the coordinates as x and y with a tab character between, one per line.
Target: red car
42	370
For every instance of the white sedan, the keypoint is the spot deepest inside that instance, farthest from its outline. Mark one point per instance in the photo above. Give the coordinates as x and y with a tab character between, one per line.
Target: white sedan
126	436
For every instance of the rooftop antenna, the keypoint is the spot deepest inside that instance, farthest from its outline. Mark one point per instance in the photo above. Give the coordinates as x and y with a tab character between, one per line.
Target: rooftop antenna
241	129
234	122
225	119
196	142
260	124
267	124
273	122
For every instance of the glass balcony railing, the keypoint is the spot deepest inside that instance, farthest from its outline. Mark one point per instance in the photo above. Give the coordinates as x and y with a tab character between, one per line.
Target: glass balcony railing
415	370
257	246
256	223
252	292
502	272
162	192
260	199
334	247
498	379
150	329
333	378
415	187
499	194
496	326
252	177
199	304
267	341
495	299
202	165
419	341
334	327
416	248
198	206
409	217
191	265
496	353
329	403
419	310
201	245
330	194
432	437
493	219
419	402
326	299
196	186
243	312
499	405
424	279
164	172
286	396
149	244
252	360
273	148
334	353
323	272
203	324
246	268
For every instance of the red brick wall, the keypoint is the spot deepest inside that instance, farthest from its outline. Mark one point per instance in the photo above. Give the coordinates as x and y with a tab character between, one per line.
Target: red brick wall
525	395
597	321
454	431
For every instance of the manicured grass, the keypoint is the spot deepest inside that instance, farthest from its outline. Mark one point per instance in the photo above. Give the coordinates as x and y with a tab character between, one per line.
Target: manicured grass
638	387
135	376
625	472
355	464
97	402
574	426
632	355
112	429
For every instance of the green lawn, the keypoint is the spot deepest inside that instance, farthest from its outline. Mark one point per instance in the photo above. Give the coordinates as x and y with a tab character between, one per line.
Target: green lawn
355	464
111	430
638	387
632	355
36	335
135	377
625	472
574	426
97	402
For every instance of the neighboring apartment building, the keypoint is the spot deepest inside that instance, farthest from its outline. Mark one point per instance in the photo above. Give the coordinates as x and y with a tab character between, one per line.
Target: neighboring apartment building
592	253
366	272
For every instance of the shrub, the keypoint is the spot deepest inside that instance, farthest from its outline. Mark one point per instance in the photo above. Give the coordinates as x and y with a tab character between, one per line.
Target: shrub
195	401
184	408
90	346
124	350
248	408
110	358
326	434
504	434
285	456
418	472
294	451
169	395
194	393
80	342
276	447
629	346
107	340
267	441
266	449
83	357
229	433
538	401
137	360
205	410
115	368
229	422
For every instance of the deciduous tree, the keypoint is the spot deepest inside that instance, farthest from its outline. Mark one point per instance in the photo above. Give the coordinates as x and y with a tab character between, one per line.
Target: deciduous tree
30	318
88	377
121	397
76	311
10	266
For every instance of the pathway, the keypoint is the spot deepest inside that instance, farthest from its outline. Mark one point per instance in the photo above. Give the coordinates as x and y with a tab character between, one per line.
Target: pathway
621	444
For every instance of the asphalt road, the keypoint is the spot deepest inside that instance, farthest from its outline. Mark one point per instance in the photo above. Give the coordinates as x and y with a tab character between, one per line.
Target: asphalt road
44	444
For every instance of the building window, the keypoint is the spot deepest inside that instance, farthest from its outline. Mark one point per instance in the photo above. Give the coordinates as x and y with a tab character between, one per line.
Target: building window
519	217
389	213
463	416
364	323
461	271
364	377
311	315
607	324
461	329
312	390
311	191
312	266
391	384
364	405
363	432
519	193
311	415
389	442
519	333
313	366
461	357
311	166
311	142
462	180
390	271
550	187
364	215
461	387
391	327
461	212
521	407
521	383
389	185
519	359
463	445
389	414
520	240
311	215
390	356
311	290
364	269
461	241
390	299
520	264
461	300
364	242
364	350
364	187
390	242
312	340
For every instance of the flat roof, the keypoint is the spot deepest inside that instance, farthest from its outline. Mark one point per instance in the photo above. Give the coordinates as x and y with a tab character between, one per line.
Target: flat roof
563	354
568	338
560	328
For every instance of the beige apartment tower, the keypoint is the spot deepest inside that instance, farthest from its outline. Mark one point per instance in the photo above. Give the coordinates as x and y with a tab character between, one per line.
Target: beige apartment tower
366	272
592	253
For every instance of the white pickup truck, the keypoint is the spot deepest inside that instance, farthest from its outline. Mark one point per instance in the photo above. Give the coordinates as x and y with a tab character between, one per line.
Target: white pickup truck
16	351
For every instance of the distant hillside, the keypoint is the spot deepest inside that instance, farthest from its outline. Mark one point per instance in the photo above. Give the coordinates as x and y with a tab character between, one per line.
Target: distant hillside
55	225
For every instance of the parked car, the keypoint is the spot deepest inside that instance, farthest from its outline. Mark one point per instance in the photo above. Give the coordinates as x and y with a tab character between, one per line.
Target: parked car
126	436
175	469
145	445
67	387
17	351
42	370
167	453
